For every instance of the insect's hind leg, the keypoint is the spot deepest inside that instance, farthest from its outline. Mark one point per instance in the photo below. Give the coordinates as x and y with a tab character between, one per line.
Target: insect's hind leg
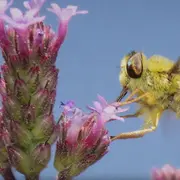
139	133
136	114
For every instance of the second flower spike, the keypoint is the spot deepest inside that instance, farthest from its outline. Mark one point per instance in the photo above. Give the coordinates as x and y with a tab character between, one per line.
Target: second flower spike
83	138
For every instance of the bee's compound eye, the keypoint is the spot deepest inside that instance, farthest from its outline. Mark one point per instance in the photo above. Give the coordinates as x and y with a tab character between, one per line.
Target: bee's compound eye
134	66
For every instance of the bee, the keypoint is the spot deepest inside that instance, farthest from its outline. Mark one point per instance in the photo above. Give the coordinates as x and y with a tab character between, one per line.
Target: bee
155	85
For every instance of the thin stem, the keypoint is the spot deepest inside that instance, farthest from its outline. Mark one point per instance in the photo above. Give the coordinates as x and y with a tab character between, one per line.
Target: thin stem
32	177
8	174
64	175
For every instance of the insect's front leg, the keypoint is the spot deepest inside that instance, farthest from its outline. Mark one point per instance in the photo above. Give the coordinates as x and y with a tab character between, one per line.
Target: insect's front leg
133	134
140	133
124	92
129	101
136	114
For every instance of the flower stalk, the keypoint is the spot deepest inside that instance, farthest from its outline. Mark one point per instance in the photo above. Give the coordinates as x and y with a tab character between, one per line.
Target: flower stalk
64	175
35	177
8	174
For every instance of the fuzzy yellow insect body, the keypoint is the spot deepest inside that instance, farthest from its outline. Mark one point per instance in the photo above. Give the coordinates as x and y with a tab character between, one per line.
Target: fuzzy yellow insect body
156	84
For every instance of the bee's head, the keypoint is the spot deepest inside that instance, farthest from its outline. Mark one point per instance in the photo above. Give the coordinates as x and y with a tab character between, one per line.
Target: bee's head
131	67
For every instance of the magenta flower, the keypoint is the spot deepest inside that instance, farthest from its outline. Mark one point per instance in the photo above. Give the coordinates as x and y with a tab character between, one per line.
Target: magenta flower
33	4
107	111
20	20
83	138
166	173
4	5
28	89
64	15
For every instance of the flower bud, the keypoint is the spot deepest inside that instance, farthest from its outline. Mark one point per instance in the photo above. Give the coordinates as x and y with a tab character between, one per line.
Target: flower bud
3	156
41	156
166	173
33	78
7	77
2	87
5	137
50	78
20	160
30	164
12	107
28	86
29	115
41	101
43	127
20	134
21	91
54	135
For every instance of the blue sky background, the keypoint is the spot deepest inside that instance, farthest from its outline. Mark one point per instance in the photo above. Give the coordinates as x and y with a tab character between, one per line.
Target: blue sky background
88	63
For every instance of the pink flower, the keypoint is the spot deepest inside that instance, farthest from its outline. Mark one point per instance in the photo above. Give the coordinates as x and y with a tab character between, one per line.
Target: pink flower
64	15
166	173
83	137
107	111
28	89
4	5
27	35
33	4
20	20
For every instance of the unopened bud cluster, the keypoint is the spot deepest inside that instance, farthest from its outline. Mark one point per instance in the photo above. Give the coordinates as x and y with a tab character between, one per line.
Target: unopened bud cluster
28	85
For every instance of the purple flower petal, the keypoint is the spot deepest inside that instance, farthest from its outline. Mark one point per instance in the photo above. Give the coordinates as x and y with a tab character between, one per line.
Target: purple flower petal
20	20
91	108
26	5
97	106
65	14
74	10
4	5
120	110
21	23
107	111
102	101
114	117
33	4
16	14
77	120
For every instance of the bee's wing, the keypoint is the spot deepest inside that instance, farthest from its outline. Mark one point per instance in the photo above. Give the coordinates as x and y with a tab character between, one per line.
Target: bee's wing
147	121
169	124
146	116
150	115
176	68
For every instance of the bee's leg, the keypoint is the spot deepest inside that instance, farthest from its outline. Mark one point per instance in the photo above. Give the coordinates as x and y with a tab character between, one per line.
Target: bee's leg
136	114
139	133
133	100
132	94
124	92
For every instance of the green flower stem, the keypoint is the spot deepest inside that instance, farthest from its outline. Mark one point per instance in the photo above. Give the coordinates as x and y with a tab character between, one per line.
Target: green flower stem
8	174
64	175
35	177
